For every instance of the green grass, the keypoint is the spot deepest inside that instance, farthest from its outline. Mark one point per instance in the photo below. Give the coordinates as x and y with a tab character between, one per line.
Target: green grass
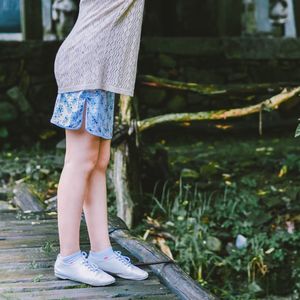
220	189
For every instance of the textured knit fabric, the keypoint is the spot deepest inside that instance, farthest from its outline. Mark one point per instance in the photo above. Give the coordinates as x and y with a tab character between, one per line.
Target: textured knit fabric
104	254
99	116
101	51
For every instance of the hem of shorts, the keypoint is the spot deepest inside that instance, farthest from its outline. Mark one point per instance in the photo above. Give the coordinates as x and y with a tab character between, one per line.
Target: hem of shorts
96	86
69	128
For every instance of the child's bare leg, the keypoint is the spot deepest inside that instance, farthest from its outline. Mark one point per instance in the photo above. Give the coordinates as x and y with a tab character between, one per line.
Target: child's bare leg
80	160
95	203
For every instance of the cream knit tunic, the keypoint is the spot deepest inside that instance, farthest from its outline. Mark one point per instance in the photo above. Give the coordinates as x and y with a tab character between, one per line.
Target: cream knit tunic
101	51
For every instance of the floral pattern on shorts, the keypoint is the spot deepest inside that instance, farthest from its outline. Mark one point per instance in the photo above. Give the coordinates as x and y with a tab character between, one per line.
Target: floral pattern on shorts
99	116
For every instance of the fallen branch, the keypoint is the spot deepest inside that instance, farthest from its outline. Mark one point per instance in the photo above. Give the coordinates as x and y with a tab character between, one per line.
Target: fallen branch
212	89
269	104
167	270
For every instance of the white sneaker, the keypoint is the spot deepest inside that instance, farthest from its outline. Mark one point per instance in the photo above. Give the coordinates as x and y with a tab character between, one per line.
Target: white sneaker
120	265
83	271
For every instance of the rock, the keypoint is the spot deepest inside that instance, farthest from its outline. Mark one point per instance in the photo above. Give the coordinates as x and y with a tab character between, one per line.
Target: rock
51	203
25	199
4	205
254	287
176	104
241	242
17	96
213	244
229	247
8	112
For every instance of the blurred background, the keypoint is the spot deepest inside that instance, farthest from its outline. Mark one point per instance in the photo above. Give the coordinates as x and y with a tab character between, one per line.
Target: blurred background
219	194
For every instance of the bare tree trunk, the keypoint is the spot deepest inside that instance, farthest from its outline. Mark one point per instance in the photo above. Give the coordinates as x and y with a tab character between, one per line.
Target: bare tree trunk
126	183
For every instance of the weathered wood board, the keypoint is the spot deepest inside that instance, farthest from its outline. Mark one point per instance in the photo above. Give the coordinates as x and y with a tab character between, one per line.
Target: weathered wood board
28	248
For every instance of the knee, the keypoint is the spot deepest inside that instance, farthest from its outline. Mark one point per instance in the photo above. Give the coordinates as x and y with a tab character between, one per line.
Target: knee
85	164
102	163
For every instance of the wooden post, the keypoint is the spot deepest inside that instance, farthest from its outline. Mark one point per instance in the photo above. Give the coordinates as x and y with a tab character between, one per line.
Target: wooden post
126	180
297	16
31	19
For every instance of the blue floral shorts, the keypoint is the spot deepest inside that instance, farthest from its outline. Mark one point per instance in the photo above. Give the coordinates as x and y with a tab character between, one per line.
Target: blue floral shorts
99	114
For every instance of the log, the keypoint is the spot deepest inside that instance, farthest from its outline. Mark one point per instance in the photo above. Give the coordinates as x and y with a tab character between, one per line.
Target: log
25	199
269	104
213	89
169	273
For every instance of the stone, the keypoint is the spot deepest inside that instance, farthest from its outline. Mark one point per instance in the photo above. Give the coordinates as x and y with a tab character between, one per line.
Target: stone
213	244
4	205
241	242
51	204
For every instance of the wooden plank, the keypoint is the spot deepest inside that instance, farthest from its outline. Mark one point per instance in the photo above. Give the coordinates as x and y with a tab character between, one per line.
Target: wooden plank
110	291
6	223
41	230
27	269
25	242
63	284
29	275
36	253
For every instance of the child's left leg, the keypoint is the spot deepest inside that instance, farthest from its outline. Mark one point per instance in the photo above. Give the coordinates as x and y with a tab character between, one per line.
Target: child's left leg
95	210
95	203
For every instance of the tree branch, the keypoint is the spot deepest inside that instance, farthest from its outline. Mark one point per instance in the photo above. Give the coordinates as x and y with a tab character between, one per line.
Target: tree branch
212	89
269	104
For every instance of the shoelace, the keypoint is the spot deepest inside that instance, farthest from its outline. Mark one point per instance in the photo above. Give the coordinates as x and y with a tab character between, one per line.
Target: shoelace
91	266
123	258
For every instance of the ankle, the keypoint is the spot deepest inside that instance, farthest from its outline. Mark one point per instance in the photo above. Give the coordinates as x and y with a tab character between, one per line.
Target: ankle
103	254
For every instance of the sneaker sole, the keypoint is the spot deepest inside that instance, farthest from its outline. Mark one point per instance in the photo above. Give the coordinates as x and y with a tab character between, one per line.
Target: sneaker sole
68	278
125	277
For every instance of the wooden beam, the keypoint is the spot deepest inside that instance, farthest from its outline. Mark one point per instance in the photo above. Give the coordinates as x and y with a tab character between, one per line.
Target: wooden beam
171	275
31	19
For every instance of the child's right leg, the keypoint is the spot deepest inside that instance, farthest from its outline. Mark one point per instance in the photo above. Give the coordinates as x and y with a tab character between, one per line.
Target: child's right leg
80	159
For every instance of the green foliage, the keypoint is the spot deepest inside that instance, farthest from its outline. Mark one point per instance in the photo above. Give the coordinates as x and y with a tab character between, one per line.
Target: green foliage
195	219
242	188
35	166
38	168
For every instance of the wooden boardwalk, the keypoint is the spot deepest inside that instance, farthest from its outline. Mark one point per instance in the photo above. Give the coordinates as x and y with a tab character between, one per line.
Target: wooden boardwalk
28	248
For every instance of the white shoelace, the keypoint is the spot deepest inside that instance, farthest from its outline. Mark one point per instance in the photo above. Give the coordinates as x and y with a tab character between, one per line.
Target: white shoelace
91	266
124	259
